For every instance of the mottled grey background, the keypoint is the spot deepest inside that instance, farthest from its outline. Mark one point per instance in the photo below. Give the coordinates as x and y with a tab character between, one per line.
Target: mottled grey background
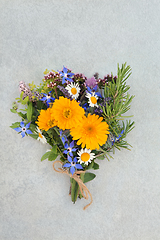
86	36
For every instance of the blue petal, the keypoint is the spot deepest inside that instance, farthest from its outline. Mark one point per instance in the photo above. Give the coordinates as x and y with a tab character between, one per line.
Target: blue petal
65	151
70	74
71	154
43	99
98	94
69	159
67	165
22	124
78	166
60	132
63	140
89	89
71	144
23	134
63	80
95	88
75	160
29	131
66	145
18	129
74	149
65	69
72	170
28	125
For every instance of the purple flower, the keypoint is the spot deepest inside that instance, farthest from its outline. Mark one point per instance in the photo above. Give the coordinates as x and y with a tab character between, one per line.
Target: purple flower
23	129
47	98
91	82
66	75
73	165
69	148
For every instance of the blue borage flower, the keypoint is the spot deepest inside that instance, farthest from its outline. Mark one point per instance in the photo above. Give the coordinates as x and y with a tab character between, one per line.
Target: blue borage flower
66	75
116	139
94	90
63	137
47	98
73	165
23	129
69	148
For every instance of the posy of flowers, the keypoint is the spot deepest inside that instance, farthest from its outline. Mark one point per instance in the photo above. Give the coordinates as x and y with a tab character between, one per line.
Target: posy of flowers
81	118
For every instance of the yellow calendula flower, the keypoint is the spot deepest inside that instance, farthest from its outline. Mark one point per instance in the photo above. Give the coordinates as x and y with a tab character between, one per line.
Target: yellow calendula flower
67	113
91	132
45	120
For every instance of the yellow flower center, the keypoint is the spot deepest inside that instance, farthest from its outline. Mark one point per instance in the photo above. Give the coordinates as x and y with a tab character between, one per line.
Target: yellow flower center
40	135
51	123
67	113
74	90
93	100
85	157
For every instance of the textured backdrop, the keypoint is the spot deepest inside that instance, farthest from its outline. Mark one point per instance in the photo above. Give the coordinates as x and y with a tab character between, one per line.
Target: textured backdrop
86	36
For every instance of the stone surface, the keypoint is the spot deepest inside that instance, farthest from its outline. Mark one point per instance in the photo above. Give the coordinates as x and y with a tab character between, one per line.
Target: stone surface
87	36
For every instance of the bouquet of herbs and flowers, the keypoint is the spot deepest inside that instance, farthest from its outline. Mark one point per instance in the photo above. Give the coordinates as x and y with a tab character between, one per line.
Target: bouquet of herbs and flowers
80	118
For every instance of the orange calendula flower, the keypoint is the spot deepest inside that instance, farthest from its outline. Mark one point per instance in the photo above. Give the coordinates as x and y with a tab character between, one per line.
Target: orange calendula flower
91	132
67	113
45	120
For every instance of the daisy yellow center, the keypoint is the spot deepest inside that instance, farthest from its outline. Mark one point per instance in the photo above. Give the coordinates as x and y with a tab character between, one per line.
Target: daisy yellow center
67	113
93	100
74	90
51	123
85	157
40	135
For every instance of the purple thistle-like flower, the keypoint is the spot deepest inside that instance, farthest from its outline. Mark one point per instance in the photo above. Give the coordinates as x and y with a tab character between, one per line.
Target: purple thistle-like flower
23	129
91	82
69	148
64	91
73	165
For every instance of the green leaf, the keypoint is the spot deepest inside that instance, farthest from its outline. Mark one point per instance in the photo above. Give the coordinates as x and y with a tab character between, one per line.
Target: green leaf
45	156
90	166
15	125
95	166
13	111
74	190
54	149
25	100
29	111
52	156
101	157
35	136
86	177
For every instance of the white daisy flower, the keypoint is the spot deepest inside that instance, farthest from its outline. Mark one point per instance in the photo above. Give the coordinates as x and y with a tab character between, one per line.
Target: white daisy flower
73	89
41	138
92	99
85	156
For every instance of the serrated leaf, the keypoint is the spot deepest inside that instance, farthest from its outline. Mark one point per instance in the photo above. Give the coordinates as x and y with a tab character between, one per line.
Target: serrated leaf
87	177
29	111
45	156
52	156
